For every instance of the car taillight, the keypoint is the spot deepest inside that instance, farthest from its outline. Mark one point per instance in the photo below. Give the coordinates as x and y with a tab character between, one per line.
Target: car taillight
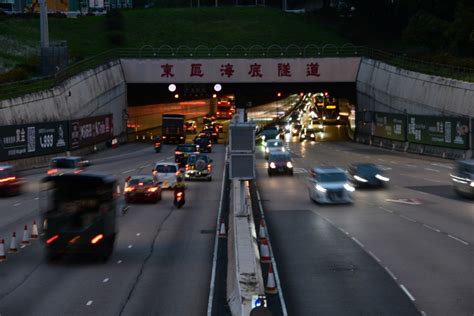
77	171
209	168
179	194
7	179
187	167
97	238
50	240
129	189
52	171
178	152
152	189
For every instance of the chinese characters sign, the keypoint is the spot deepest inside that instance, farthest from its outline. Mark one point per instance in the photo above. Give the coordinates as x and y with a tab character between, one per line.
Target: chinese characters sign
90	130
390	125
241	70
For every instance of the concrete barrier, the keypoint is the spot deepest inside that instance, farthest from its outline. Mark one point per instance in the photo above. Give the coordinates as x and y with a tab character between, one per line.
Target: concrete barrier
244	275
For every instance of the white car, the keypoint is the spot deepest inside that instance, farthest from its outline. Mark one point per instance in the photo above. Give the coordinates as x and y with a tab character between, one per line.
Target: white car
166	173
272	146
329	185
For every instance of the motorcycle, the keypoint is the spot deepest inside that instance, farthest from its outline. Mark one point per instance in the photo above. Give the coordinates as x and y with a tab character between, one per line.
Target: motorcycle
178	199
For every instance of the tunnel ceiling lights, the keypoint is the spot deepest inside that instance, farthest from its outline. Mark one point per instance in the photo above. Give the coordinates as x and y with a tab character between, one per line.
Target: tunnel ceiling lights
217	87
172	87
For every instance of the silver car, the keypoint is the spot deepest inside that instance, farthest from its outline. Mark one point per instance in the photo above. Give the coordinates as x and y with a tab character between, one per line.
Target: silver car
463	178
329	185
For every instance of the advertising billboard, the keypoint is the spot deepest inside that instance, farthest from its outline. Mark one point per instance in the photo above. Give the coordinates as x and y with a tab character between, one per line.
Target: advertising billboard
390	125
90	130
36	139
439	131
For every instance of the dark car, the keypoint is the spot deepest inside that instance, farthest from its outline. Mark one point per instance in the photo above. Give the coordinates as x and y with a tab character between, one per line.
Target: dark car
279	162
183	151
218	127
296	129
367	174
211	133
10	183
307	133
199	166
142	188
204	143
463	178
208	119
157	144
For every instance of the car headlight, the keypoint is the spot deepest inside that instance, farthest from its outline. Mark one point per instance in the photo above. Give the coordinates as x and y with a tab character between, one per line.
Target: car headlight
320	188
360	179
472	184
380	177
263	137
290	165
267	150
348	187
338	117
272	165
312	135
324	117
283	149
302	135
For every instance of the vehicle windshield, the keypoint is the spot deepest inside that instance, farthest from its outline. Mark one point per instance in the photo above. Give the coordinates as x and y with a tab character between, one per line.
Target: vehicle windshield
192	159
137	181
367	169
166	169
273	144
332	177
279	158
64	163
186	148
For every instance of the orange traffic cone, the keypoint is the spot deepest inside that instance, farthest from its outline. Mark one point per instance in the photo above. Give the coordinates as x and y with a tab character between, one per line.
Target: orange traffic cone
262	232
271	286
26	236
13	247
34	231
222	233
265	251
3	257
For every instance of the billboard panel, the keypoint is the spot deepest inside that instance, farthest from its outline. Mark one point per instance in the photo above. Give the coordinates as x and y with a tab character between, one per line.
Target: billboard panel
90	130
27	140
439	131
390	125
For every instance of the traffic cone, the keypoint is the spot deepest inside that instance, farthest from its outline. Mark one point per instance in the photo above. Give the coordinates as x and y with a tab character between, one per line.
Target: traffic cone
222	233
13	247
34	231
26	236
265	251
271	286
262	233
3	257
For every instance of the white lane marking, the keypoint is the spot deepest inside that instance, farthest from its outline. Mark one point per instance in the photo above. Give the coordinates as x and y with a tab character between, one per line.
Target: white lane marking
37	198
442	165
138	234
407	292
432	228
423	313
358	242
380	159
147	165
375	257
408	218
437	181
119	262
460	240
169	157
128	171
385	209
430	169
106	280
394	162
410	166
17	204
391	273
89	303
22	246
130	246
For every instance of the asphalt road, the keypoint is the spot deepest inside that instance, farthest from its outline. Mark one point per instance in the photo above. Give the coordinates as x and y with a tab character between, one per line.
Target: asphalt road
409	243
162	260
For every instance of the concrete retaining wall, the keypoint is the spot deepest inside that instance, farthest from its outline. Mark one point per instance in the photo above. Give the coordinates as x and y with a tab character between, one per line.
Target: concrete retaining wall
385	88
94	92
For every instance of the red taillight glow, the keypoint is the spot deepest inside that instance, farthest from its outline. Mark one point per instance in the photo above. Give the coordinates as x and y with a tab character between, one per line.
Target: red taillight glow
7	179
50	240
180	194
178	152
187	167
152	189
129	189
52	171
77	171
97	238
140	184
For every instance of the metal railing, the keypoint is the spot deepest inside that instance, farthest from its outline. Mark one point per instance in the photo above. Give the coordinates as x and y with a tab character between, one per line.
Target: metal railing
14	89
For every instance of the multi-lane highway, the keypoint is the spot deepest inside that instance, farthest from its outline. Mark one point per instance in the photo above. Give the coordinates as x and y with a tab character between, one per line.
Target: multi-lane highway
162	260
414	237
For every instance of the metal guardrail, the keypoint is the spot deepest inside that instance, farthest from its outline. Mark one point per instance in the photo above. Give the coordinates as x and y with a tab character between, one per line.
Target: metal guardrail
19	88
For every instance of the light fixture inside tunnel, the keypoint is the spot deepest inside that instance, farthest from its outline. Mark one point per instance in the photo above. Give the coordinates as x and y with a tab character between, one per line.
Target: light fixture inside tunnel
176	96
172	87
217	87
214	95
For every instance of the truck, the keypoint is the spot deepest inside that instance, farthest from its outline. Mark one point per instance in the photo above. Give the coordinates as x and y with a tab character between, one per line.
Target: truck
224	110
172	129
